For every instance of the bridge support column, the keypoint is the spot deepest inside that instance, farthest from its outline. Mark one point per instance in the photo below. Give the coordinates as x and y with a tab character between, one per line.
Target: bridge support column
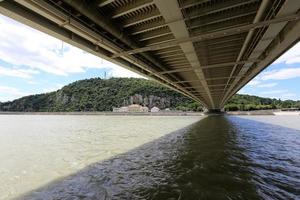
214	111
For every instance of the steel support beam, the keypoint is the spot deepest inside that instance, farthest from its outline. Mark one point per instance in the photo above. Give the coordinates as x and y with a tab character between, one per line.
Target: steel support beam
102	3
190	3
154	13
208	66
289	8
287	37
219	7
217	34
153	34
171	12
135	5
208	79
208	20
26	16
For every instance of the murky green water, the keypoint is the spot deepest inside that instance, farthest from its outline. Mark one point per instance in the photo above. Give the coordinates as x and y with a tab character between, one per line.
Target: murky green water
219	157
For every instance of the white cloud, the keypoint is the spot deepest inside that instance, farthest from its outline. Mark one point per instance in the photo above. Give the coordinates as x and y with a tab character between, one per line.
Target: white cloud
257	82
254	82
21	45
282	74
281	94
274	92
267	85
32	82
10	93
291	56
57	87
16	72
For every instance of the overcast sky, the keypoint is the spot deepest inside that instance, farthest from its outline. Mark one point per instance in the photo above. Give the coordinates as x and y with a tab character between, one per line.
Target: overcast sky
32	62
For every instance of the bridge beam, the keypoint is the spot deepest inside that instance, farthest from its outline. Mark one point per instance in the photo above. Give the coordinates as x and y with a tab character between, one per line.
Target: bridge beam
289	8
208	36
172	14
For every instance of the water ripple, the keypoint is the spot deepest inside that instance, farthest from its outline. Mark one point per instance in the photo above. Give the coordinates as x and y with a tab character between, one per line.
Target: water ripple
217	158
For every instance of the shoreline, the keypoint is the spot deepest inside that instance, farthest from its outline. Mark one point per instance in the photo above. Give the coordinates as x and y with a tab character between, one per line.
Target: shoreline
265	112
109	113
257	112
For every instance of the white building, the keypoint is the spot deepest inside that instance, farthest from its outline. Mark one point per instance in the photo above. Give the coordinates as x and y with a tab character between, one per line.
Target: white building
155	109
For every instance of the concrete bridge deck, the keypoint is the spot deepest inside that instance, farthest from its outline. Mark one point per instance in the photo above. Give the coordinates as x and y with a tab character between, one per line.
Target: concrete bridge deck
205	49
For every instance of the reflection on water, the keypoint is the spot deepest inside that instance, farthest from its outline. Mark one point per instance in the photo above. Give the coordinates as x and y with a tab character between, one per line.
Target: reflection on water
217	158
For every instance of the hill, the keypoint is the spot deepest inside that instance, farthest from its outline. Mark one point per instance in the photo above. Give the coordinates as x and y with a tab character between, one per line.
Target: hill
102	95
250	102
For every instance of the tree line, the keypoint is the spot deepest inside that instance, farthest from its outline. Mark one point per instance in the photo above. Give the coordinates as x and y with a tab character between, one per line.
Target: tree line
98	94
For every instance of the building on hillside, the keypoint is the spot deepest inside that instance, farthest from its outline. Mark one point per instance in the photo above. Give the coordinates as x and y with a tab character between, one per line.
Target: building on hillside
155	109
132	108
121	109
135	108
145	109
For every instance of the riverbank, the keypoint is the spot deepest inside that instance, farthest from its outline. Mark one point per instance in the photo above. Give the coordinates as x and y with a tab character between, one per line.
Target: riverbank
256	112
109	113
264	112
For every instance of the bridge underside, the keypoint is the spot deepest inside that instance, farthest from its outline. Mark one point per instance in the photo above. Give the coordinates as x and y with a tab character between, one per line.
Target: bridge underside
205	49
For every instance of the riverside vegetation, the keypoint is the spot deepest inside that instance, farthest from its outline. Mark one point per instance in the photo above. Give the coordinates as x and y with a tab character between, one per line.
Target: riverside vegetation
103	94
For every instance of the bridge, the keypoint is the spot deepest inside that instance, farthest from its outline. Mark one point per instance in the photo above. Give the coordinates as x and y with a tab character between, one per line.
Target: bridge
205	49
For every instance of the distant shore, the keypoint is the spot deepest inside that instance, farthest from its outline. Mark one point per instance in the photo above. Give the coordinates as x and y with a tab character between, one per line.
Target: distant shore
170	113
263	112
108	113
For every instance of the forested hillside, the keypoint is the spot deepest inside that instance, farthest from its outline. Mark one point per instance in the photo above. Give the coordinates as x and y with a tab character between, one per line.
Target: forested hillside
249	102
102	95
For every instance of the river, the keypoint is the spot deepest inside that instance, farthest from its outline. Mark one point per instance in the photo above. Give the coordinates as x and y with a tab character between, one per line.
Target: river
149	157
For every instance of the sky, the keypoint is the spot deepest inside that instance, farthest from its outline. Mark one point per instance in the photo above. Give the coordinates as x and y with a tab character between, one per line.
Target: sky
33	62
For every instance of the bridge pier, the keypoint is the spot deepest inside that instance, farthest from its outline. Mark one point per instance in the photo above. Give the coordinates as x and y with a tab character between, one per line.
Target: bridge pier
214	111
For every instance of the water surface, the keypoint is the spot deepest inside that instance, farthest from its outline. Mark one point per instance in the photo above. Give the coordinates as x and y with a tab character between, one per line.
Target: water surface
289	121
37	149
219	157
